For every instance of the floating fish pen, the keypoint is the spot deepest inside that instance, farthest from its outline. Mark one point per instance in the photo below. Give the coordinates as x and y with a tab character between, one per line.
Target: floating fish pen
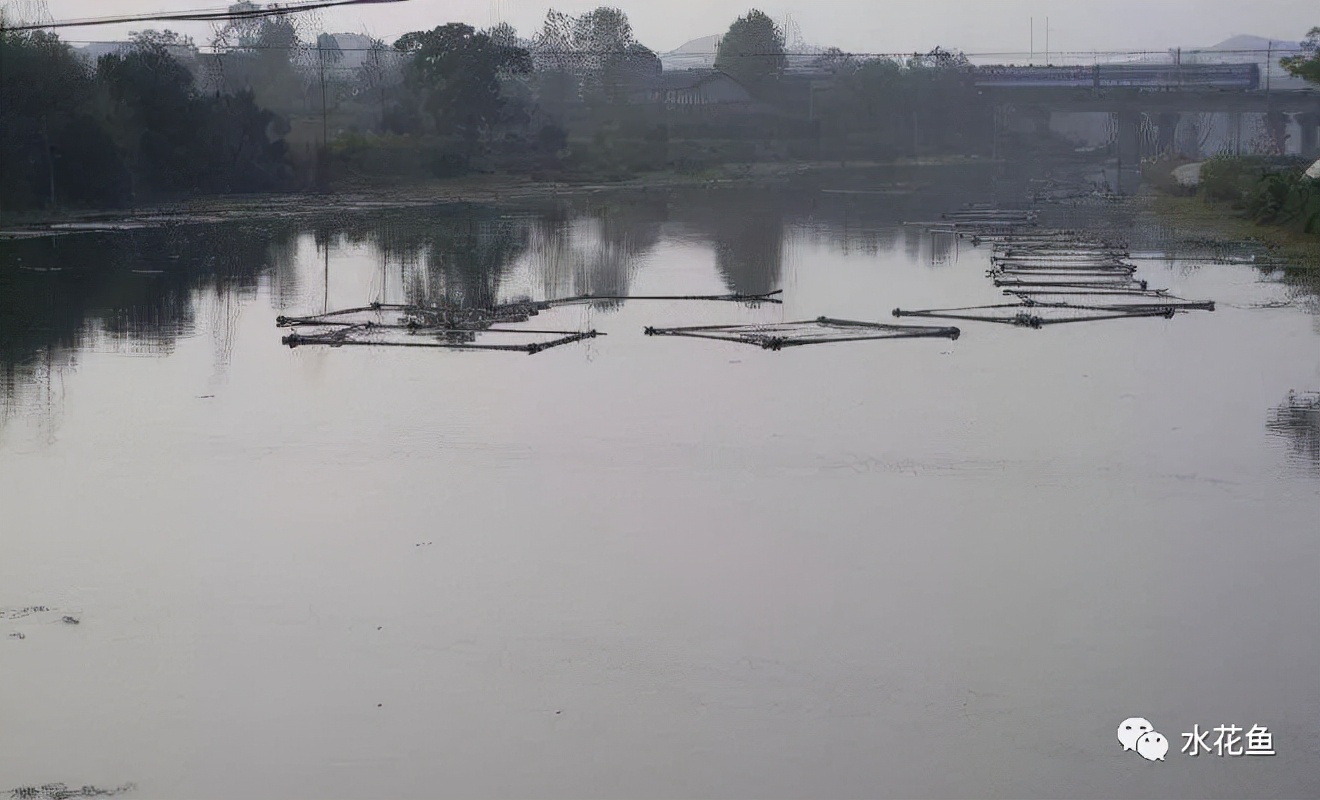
751	300
822	330
1031	314
990	215
1092	282
1111	301
504	339
415	317
1035	236
1053	276
461	328
1069	252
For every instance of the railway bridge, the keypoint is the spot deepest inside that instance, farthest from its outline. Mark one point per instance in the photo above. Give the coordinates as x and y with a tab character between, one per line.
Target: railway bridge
1157	98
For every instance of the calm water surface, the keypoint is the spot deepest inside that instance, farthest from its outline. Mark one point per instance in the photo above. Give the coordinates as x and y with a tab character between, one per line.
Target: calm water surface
644	567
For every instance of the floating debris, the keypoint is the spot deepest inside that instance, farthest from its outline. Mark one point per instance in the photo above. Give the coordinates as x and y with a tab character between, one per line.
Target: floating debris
822	330
1297	419
19	613
60	791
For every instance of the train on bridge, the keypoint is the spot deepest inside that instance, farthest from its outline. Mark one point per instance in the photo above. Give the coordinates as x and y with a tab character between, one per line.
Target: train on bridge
1150	77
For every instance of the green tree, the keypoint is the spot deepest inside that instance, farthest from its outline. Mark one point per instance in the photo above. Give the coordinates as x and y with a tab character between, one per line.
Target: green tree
752	52
593	57
259	55
152	112
1307	65
455	71
51	149
378	78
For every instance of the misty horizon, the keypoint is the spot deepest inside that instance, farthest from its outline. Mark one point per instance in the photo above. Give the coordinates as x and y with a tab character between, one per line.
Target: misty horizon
1011	30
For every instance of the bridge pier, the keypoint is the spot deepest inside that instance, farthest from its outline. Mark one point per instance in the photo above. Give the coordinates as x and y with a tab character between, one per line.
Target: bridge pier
1129	150
1276	124
1167	124
1235	130
1188	142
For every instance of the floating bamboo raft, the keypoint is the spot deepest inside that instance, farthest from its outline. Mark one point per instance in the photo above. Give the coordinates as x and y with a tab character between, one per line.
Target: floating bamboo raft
505	339
460	328
1054	276
1034	315
822	330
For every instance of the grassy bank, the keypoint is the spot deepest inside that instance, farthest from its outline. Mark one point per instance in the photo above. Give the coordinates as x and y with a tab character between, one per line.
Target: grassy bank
1215	221
363	192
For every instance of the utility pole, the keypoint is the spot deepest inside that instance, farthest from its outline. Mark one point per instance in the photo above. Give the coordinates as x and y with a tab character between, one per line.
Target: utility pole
320	57
1032	58
916	137
1047	41
50	157
1269	65
323	157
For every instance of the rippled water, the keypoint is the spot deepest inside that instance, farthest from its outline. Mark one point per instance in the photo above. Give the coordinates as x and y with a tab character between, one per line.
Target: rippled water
644	566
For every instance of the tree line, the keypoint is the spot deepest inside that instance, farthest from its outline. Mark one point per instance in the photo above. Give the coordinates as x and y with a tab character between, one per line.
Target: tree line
270	106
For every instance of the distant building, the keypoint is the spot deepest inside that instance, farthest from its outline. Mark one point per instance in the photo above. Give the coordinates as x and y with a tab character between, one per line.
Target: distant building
91	53
702	88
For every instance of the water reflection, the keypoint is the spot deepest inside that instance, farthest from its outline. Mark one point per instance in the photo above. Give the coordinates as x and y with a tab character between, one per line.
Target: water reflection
143	290
135	291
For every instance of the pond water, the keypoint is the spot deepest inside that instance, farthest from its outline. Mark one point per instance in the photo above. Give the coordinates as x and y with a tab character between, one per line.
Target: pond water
643	566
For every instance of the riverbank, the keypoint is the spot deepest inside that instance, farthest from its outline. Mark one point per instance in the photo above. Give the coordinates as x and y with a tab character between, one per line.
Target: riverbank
484	189
1217	222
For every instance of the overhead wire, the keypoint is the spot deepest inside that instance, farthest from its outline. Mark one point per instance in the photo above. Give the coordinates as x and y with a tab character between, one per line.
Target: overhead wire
198	15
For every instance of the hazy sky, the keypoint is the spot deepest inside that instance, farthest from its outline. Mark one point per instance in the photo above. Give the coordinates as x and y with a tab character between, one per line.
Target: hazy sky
855	25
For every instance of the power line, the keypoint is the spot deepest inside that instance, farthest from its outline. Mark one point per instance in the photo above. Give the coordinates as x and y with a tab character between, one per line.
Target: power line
905	54
199	15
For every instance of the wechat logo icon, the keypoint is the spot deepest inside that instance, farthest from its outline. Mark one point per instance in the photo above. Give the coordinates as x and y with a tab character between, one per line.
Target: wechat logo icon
1137	734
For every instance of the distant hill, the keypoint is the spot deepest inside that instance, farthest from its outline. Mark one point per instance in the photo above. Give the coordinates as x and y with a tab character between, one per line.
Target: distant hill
696	54
1244	42
1248	49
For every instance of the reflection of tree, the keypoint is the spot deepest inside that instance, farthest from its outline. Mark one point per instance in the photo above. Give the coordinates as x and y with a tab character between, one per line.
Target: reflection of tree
458	257
747	232
138	287
467	258
596	250
750	252
1297	419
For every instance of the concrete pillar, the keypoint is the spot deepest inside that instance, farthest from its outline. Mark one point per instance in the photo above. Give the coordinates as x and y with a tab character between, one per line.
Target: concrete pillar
1129	150
1310	125
1167	124
1188	140
1276	123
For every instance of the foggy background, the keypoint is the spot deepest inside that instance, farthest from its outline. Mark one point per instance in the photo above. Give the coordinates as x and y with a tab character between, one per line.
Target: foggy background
1003	27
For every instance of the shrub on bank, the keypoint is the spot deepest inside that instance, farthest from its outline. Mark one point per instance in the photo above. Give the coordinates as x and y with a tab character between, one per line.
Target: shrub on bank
1289	199
1236	179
